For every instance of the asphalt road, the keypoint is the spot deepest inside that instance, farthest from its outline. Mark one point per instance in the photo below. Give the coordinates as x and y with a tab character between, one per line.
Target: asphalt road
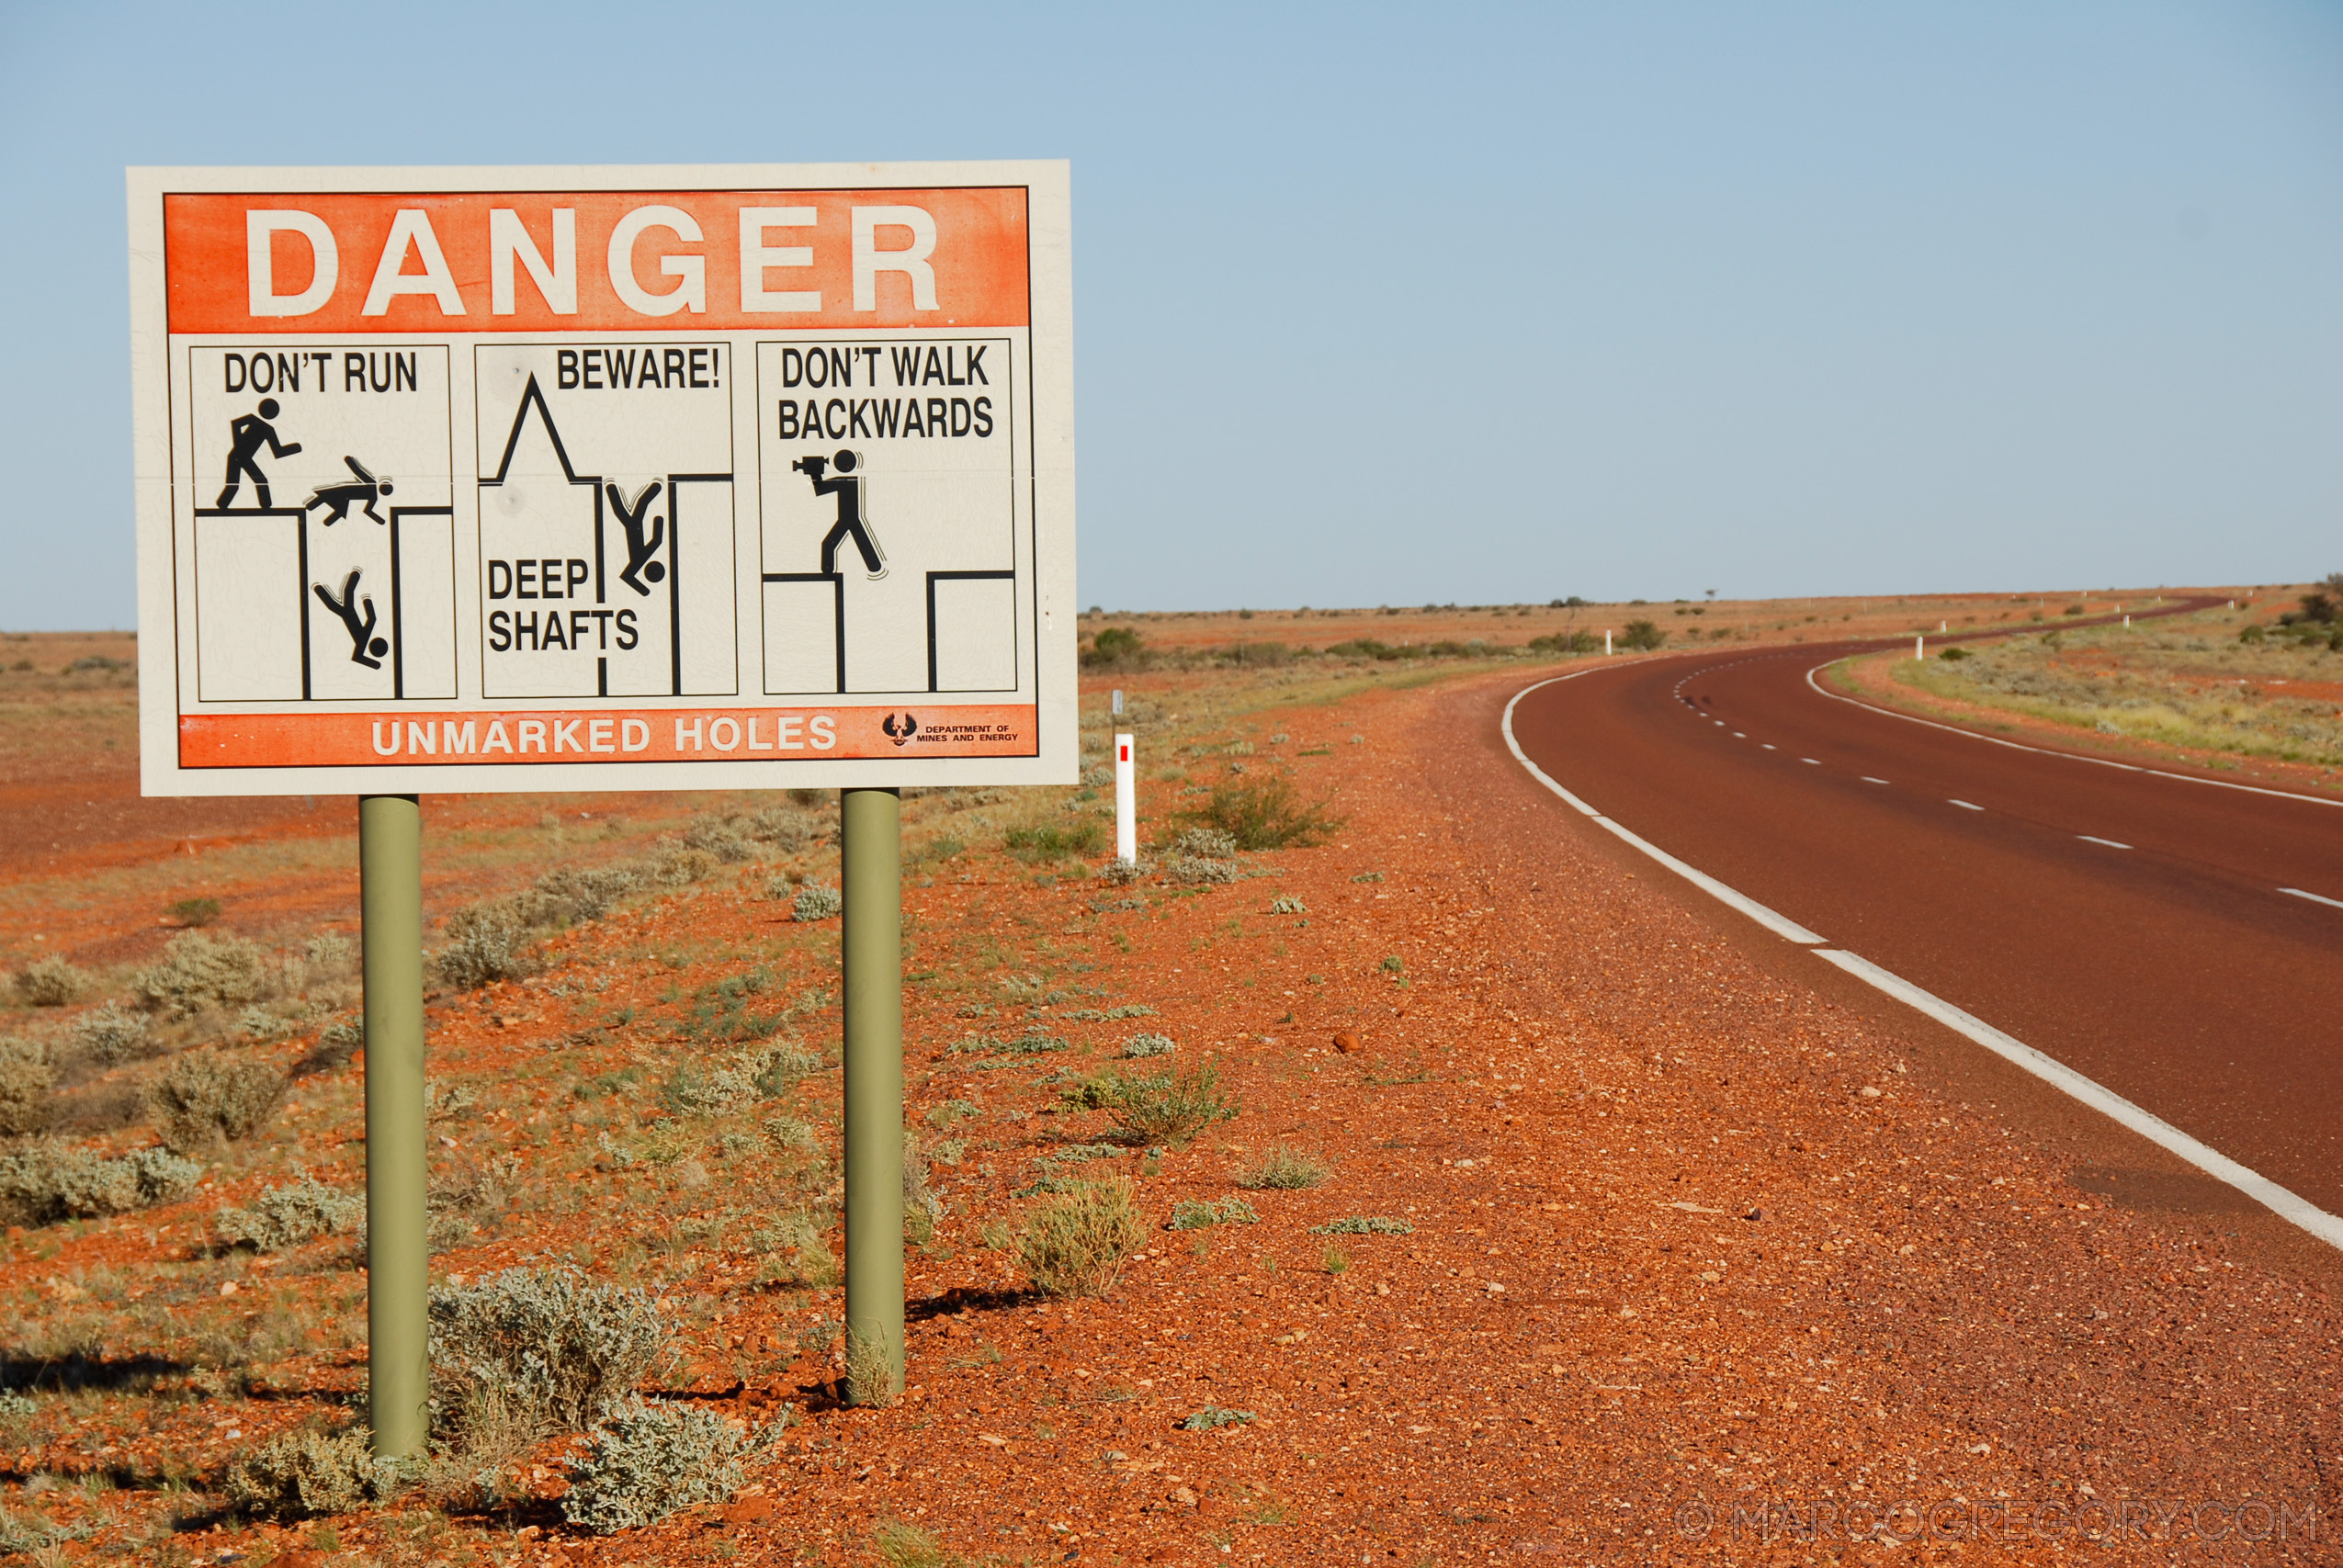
2131	926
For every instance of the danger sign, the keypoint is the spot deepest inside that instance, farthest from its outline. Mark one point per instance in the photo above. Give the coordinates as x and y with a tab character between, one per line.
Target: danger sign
479	479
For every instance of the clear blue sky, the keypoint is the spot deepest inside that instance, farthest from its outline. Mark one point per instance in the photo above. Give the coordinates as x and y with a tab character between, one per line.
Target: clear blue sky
1377	305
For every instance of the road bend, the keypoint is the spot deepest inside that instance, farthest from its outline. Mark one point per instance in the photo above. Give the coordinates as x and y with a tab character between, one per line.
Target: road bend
2179	941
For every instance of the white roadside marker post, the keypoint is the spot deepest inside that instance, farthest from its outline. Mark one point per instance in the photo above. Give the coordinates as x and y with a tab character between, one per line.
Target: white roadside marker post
1127	816
1606	642
1920	648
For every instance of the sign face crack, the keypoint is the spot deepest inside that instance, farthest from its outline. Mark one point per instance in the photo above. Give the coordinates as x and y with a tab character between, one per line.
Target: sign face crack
634	478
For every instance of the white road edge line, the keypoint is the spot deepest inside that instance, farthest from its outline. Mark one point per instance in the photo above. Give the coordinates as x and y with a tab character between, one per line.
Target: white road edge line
2287	1205
2047	751
2090	839
1781	925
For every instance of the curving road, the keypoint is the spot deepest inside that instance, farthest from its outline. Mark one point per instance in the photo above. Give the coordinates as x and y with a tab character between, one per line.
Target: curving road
2168	938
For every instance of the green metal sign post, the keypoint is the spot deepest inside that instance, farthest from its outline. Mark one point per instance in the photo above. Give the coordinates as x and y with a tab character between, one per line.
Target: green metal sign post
398	1252
873	964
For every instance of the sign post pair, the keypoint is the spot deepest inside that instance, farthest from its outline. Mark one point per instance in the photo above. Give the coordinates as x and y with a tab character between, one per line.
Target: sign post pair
501	480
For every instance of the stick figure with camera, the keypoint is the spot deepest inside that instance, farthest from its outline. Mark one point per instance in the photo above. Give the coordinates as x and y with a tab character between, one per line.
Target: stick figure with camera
848	488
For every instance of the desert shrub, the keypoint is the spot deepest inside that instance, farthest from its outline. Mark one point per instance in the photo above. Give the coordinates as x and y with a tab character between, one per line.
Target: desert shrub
540	1348
1643	636
1266	815
197	972
776	1068
45	1182
1035	843
109	1035
1211	1417
26	1083
1201	869
1116	648
1212	843
644	1462
785	828
1364	1224
1195	1215
791	1134
1565	642
204	1099
589	891
698	1091
1955	655
722	839
302	1473
330	954
484	946
917	1196
1268	655
1286	1169
1122	872
682	866
1075	1245
1149	1045
17	1411
1286	904
289	1215
51	983
816	902
194	912
952	1112
1170	1108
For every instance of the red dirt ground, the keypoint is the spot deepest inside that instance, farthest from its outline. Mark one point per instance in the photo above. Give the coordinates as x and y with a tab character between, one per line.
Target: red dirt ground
1702	1270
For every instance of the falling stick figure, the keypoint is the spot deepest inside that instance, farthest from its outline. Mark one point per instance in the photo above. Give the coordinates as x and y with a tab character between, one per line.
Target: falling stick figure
337	499
851	522
640	547
246	435
364	646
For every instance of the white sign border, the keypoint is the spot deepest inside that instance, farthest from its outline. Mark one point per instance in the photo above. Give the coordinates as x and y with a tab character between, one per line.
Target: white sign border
1050	431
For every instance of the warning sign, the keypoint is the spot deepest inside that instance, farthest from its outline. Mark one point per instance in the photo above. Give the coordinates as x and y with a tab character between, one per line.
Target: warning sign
632	478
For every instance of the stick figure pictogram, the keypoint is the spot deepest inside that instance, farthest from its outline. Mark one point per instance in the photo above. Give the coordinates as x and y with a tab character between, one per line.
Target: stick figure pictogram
247	433
337	499
640	547
851	522
364	646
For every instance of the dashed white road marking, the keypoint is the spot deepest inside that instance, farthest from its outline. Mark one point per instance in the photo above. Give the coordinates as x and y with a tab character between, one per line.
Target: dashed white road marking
1868	779
2287	1205
2090	839
1738	735
1767	744
1965	806
1811	761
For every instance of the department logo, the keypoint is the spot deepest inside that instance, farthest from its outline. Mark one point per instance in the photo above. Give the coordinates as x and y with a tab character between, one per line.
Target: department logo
898	728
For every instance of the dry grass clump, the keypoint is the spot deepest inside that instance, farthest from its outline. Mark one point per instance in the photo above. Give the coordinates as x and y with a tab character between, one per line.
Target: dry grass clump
43	1183
51	983
28	1082
204	1099
287	1216
1168	1108
644	1462
303	1474
901	1544
1269	814
538	1351
1284	1168
1075	1245
198	972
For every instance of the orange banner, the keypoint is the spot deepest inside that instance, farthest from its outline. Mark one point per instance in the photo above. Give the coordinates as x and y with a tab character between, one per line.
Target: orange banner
602	736
596	261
